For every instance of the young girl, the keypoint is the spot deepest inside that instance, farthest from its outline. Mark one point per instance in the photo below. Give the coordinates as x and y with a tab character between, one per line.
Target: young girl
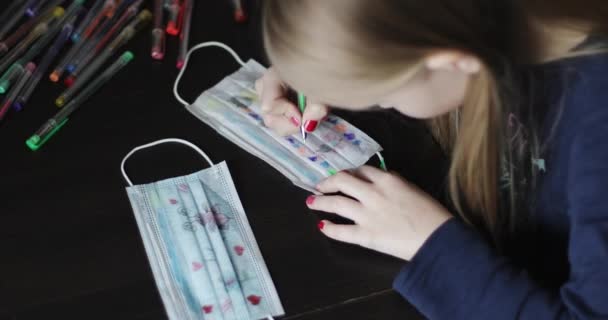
516	92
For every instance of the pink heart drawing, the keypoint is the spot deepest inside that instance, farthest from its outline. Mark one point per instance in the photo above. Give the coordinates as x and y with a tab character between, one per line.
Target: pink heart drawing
207	309
239	250
255	300
196	266
172	201
183	187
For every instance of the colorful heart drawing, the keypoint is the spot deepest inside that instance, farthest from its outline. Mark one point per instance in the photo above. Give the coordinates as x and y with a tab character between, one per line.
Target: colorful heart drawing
196	266
207	309
313	158
255	300
349	136
227	305
183	187
239	250
172	201
332	120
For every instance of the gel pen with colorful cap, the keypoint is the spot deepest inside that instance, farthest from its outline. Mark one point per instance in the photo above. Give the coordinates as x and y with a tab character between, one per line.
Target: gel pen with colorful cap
25	28
239	11
109	28
53	125
24	77
94	48
185	34
44	40
34	7
302	106
54	27
173	24
86	21
13	17
45	62
18	51
107	13
75	82
158	33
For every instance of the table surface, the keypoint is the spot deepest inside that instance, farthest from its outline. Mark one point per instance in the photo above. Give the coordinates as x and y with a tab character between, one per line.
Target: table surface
69	243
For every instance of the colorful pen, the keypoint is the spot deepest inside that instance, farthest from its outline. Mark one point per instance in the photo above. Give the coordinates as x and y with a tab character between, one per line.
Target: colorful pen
75	81
33	7
24	77
45	62
158	34
302	106
173	25
7	78
55	123
90	31
82	60
185	34
93	12
14	54
239	11
106	32
53	28
17	12
23	30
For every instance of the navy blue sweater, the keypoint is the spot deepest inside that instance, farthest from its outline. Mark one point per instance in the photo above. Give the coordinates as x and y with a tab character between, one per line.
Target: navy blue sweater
561	270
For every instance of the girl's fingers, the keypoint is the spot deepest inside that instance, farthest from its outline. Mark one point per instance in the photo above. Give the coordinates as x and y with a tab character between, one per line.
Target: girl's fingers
270	89
345	233
342	206
371	174
313	114
280	124
347	184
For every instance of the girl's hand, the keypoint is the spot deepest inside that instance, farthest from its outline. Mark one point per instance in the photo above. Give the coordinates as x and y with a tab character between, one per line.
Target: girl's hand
391	215
280	114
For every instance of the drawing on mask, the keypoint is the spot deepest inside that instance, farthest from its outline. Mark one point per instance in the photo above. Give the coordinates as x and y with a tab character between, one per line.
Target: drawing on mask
212	218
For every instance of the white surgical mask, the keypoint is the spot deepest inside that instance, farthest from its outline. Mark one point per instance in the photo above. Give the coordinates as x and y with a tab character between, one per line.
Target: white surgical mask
232	108
204	257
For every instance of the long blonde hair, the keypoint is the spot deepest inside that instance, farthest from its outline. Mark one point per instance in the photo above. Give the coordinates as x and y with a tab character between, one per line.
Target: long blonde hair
374	43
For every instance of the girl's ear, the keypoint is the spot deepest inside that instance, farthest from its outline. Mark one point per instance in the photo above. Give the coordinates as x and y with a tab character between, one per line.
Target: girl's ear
453	61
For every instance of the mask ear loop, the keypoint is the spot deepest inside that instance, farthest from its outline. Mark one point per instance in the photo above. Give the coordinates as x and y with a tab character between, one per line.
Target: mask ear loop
195	48
155	143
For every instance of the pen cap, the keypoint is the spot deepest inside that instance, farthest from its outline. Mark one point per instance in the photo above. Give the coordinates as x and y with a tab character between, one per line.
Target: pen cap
30	67
127	57
58	12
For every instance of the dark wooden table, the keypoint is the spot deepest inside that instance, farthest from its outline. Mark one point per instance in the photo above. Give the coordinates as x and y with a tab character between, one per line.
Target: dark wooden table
69	245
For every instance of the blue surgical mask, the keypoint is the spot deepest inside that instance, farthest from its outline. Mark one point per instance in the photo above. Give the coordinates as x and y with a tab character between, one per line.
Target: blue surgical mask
204	257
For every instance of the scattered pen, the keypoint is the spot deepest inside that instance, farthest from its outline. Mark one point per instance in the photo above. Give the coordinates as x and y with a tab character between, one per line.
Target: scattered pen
50	128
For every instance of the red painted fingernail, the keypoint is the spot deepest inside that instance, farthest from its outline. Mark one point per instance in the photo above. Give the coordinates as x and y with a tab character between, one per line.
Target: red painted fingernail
311	125
295	121
321	225
310	200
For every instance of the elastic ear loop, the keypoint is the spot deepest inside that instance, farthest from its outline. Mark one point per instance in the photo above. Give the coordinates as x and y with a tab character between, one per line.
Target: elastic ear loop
155	143
241	62
195	48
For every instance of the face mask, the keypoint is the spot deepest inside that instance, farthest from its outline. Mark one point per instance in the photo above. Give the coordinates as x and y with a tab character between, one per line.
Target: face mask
204	257
232	108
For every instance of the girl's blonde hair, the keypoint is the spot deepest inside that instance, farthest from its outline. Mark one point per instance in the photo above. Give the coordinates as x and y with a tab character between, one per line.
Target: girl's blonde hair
370	47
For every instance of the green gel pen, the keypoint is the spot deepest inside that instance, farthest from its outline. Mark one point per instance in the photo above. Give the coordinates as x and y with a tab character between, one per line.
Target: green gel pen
302	106
48	129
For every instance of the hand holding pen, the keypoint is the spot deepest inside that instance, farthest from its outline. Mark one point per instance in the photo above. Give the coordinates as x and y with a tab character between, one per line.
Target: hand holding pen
280	113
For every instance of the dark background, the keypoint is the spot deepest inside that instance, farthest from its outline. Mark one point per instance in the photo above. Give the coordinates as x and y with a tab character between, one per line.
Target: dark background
69	245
